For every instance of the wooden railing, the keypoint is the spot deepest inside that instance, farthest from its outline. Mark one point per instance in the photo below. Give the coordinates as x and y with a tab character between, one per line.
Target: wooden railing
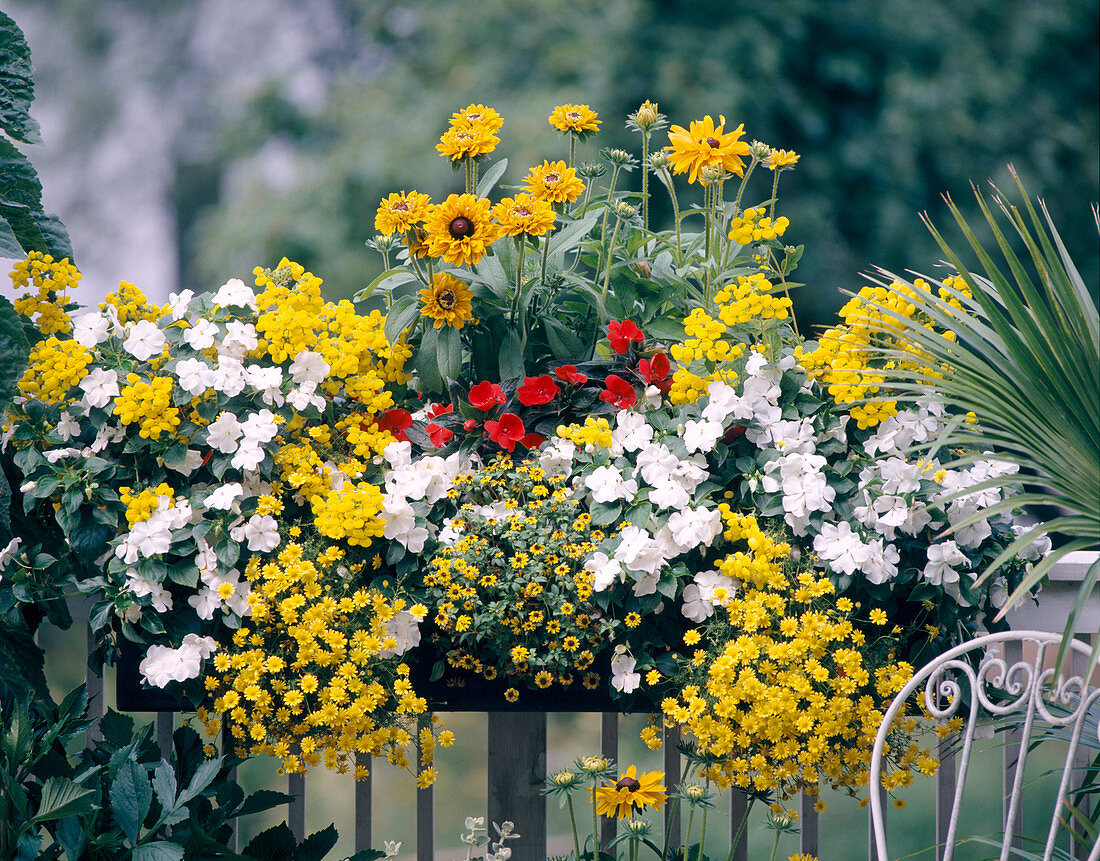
517	759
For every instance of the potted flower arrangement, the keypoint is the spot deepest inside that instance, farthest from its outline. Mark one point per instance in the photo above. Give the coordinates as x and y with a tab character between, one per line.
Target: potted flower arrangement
566	451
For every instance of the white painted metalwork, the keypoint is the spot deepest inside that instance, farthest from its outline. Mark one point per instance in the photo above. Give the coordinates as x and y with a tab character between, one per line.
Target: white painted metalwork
991	687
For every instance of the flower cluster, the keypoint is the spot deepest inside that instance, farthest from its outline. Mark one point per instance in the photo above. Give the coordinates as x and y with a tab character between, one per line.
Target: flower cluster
787	687
511	596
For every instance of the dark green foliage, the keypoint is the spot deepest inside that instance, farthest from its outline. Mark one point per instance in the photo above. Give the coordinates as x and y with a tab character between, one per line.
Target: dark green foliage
23	224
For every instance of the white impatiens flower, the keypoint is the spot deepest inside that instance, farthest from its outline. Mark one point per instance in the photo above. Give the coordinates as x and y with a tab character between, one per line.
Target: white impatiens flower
702	435
99	387
556	457
201	335
309	367
898	476
623	677
656	464
261	531
239	339
606	484
1037	549
942	559
699	597
881	563
842	548
223	497
632	431
723	398
8	553
235	292
178	302
694	526
163	664
224	433
605	571
195	376
154	591
229	377
192	460
91	329
267	381
404	630
669	493
144	340
638	551
67	427
400	521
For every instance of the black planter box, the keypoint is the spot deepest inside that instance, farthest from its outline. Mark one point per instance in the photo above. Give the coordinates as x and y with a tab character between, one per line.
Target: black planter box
132	696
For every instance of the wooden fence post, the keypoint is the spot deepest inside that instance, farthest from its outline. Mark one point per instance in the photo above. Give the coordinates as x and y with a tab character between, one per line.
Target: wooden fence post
517	775
672	781
425	808
363	804
609	749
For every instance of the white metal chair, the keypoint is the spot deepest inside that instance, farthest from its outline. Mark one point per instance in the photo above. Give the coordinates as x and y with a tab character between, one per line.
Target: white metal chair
997	688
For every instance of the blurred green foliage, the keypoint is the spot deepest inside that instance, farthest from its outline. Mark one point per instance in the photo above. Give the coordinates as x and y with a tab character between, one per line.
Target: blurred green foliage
891	103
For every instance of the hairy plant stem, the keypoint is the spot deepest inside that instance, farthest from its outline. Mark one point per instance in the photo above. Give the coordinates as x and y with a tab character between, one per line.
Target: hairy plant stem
741	189
610	251
676	217
521	248
416	264
545	254
572	148
607	203
687	832
469	175
595	823
775	191
775	846
633	849
645	179
573	823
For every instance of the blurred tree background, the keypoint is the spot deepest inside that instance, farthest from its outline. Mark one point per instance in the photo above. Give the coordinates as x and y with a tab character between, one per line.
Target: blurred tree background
259	128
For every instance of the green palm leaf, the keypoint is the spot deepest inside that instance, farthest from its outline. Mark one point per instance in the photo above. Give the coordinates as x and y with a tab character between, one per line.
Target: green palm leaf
1025	359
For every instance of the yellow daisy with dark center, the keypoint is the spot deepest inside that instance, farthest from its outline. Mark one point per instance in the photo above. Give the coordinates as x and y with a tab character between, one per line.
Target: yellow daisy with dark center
465	140
524	214
554	182
579	119
400	211
447	302
705	145
460	229
478	115
630	793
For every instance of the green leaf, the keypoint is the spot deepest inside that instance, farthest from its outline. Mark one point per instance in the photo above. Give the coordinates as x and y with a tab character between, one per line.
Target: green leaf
510	357
131	795
491	177
402	314
569	236
274	844
54	235
263	799
117	729
16	84
62	797
449	353
426	363
385	282
317	845
9	244
164	785
15	744
161	850
204	776
604	514
14	351
563	342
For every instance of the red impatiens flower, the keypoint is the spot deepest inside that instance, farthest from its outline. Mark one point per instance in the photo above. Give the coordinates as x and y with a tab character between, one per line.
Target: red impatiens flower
537	390
619	393
396	421
621	333
532	440
506	432
655	370
438	434
570	374
486	395
439	410
469	425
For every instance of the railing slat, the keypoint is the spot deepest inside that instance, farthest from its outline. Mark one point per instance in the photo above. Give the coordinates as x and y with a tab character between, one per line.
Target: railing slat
296	809
808	825
609	749
363	804
517	775
672	780
93	680
425	810
739	809
1010	753
227	750
945	787
1082	759
872	850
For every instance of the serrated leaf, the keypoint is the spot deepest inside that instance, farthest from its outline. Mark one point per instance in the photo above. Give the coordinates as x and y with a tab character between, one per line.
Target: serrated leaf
131	796
62	797
317	845
263	799
274	844
16	84
203	777
164	785
117	729
161	850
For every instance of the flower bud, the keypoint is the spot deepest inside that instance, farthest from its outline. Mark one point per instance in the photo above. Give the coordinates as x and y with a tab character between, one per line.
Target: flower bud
624	210
618	157
711	173
759	150
646	115
592	170
658	160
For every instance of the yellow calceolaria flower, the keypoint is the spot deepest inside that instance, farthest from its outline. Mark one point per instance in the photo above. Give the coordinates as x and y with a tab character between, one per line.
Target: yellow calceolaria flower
524	214
399	212
554	182
753	226
703	144
149	405
50	279
461	229
447	302
131	305
54	367
579	119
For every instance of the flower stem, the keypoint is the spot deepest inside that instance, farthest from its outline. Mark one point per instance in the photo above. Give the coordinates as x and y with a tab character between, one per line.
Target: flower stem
521	248
595	817
469	175
572	148
610	251
687	832
740	829
607	203
645	179
775	191
573	823
633	849
676	217
741	189
775	846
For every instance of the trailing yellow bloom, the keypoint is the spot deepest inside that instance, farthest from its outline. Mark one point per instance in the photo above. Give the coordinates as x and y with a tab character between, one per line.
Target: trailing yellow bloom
54	368
51	279
148	404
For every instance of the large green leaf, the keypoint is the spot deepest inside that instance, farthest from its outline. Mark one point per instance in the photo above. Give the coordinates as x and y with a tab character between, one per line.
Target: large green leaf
14	351
161	850
9	243
62	797
16	84
317	845
131	795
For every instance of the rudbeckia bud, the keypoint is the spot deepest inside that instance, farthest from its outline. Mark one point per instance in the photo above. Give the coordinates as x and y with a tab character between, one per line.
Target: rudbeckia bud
646	115
592	169
618	157
624	210
659	160
711	173
637	827
760	150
